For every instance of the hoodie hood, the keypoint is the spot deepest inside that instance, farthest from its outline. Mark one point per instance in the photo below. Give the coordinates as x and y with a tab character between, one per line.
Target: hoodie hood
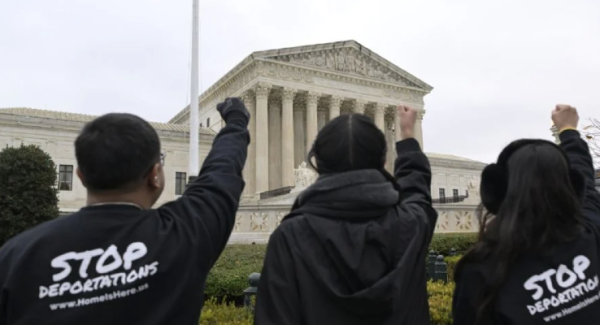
353	241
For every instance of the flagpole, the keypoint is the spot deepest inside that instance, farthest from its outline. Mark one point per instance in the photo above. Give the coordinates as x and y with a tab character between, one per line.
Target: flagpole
194	159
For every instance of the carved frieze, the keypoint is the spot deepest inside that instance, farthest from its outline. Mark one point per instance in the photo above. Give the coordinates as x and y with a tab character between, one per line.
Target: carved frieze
348	61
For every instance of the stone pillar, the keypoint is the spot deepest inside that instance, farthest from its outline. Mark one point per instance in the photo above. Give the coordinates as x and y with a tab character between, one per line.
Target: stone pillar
274	143
311	119
359	106
554	131
287	137
299	137
334	107
419	127
380	116
262	137
249	169
397	124
321	118
391	143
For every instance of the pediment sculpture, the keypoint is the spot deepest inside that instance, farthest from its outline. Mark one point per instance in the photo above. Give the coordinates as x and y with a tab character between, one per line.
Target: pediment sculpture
347	61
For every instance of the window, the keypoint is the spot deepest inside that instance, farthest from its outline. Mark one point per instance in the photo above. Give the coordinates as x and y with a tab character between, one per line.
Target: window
467	193
455	194
208	122
201	125
442	193
65	177
180	183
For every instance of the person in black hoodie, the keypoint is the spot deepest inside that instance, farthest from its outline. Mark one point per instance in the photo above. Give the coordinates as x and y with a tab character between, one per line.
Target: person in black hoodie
118	261
536	261
352	250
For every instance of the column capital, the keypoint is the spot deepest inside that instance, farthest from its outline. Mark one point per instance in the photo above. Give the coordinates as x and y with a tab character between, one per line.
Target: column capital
359	106
380	107
262	89
312	97
336	101
289	93
248	97
420	114
360	102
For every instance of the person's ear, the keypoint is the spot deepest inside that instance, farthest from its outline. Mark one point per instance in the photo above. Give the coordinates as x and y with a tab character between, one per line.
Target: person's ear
80	175
153	178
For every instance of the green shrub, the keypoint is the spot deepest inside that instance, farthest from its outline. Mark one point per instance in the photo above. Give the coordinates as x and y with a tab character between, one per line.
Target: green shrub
440	302
229	277
451	262
440	308
214	313
461	242
28	195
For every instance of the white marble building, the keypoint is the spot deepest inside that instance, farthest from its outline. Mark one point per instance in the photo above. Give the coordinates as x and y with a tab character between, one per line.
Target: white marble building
55	133
291	94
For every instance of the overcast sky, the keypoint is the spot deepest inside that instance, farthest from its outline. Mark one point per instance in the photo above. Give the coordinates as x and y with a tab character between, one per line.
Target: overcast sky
498	67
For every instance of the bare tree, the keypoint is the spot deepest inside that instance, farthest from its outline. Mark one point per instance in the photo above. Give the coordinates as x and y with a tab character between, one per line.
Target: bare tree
591	133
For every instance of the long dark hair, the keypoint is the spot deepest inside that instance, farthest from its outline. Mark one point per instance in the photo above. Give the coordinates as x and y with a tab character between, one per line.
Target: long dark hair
541	209
348	142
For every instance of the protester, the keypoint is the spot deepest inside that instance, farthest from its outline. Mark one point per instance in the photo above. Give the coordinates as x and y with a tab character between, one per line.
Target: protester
536	261
353	248
118	261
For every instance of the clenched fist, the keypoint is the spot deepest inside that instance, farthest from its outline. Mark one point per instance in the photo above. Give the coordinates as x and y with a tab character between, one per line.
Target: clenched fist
565	117
408	119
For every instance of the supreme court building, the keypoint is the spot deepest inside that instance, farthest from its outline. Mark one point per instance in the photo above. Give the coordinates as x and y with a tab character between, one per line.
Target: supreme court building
291	93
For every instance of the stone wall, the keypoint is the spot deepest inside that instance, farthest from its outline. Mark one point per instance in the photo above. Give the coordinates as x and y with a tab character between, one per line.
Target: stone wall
254	223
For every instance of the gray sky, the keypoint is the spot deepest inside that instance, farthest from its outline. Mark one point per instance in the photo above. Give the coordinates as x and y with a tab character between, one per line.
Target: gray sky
498	67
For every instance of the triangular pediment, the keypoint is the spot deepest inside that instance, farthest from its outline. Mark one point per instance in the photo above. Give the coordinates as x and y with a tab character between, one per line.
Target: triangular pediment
347	57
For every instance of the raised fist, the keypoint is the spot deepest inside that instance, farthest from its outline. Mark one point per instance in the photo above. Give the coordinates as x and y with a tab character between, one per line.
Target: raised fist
408	119
565	116
233	107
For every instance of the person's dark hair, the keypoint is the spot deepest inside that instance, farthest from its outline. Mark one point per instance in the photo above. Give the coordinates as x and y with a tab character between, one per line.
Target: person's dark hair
348	142
116	151
540	210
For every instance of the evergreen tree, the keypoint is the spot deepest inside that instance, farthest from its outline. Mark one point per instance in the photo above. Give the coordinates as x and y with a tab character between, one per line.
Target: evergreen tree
28	194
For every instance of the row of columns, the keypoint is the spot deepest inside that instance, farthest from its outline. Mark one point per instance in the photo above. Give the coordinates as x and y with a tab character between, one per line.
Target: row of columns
281	138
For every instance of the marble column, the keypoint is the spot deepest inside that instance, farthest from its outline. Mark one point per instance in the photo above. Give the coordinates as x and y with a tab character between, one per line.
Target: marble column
311	119
334	107
391	143
287	137
262	137
380	116
274	143
359	106
419	127
299	137
321	118
249	169
397	124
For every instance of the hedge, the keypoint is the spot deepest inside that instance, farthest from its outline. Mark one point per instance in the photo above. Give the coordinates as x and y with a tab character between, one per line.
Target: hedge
229	277
440	308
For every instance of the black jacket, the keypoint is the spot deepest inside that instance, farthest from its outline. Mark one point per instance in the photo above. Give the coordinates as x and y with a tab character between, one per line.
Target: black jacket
532	293
350	252
119	265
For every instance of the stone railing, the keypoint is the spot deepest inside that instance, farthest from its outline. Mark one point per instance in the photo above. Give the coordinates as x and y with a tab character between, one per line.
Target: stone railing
255	222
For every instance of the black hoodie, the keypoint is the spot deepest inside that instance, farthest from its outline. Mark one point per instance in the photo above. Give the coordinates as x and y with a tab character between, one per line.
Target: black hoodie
559	288
351	251
120	265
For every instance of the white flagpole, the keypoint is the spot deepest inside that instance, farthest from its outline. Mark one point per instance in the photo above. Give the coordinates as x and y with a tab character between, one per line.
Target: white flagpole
194	159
